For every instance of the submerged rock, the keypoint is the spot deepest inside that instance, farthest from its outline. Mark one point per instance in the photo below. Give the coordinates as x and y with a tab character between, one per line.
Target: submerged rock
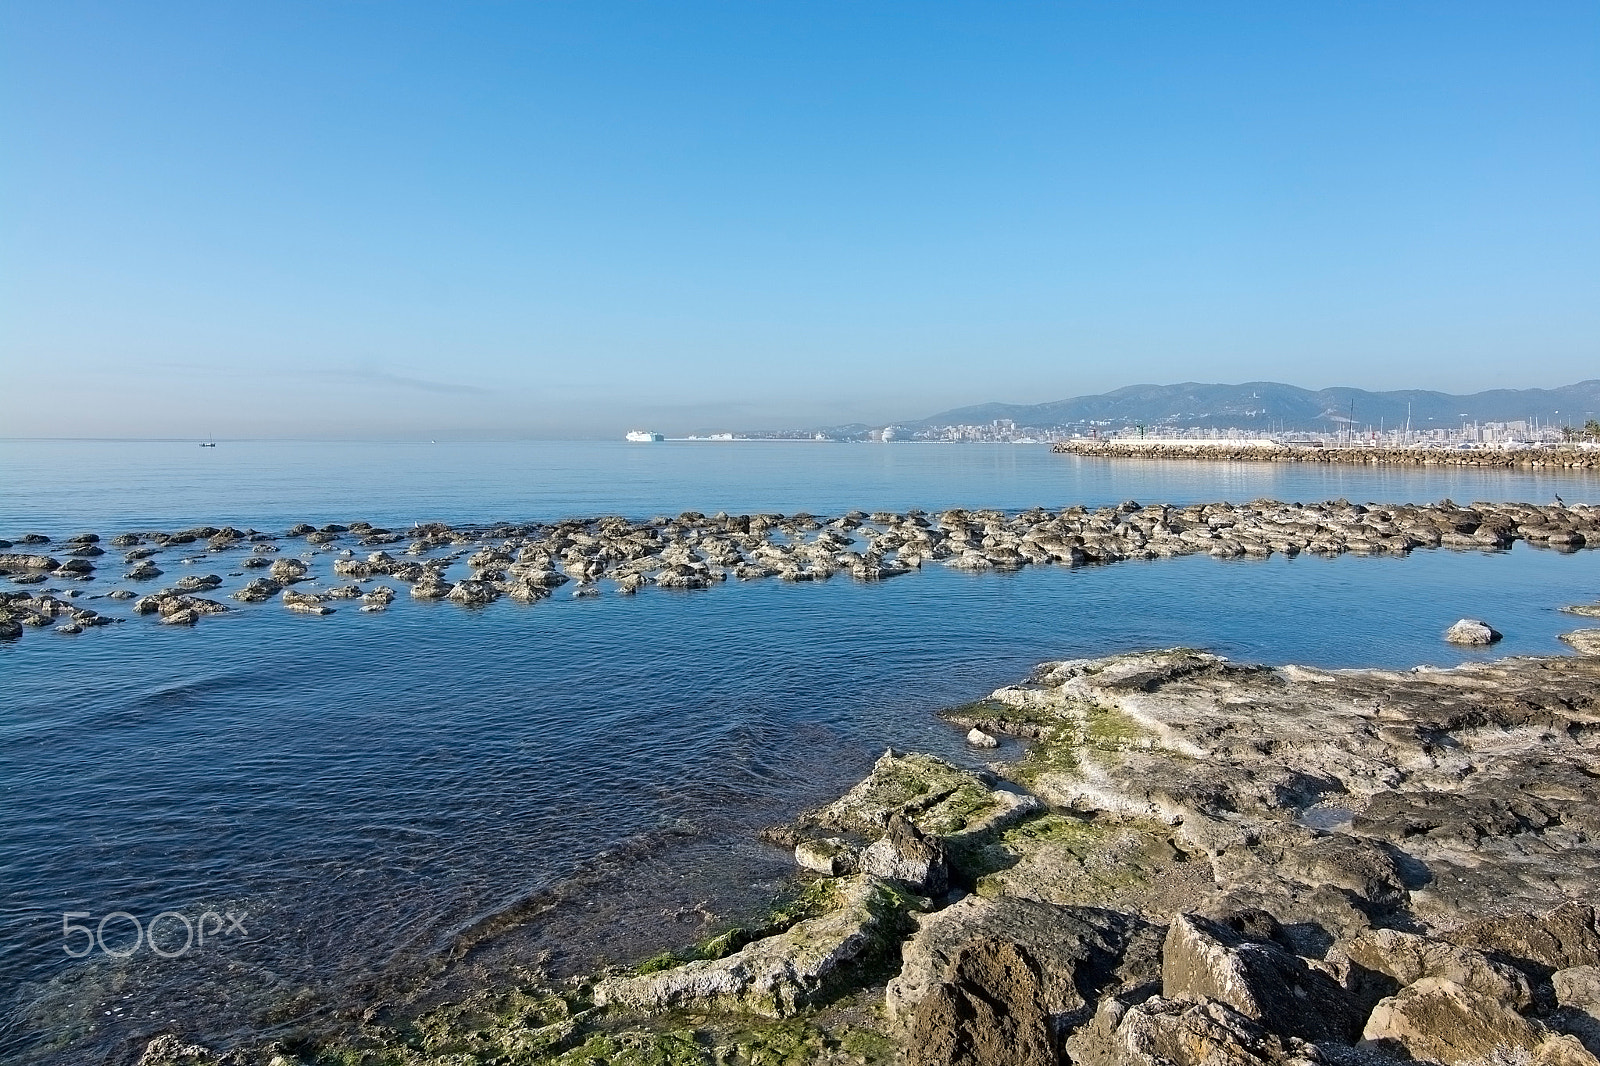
170	1050
430	588
693	551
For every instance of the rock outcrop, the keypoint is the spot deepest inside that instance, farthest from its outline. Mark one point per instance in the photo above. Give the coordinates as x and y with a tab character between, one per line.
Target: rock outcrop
1408	958
1181	1032
1584	641
990	1009
1435	1020
1079	953
1284	993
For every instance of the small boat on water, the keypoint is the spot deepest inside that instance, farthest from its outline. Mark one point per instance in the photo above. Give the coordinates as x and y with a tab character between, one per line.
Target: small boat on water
643	436
208	444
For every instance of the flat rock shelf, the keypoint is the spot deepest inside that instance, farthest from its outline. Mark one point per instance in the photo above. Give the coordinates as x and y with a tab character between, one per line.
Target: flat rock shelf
1196	861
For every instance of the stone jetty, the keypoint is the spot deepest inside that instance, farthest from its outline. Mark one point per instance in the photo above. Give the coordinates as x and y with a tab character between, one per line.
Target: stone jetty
1190	862
316	570
1557	458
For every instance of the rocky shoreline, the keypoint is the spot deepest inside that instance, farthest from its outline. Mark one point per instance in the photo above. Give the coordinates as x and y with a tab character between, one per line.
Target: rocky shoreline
315	570
1197	862
1558	458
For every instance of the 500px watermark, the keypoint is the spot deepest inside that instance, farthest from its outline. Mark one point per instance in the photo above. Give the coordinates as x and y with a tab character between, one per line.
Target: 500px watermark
80	940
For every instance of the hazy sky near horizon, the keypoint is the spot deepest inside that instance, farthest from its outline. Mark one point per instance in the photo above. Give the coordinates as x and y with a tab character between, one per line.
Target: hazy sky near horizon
568	219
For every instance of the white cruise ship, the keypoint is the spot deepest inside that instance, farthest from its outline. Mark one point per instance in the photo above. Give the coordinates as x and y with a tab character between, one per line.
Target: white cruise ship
643	436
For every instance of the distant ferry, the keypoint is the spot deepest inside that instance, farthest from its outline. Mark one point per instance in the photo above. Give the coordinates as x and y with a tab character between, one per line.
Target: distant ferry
644	436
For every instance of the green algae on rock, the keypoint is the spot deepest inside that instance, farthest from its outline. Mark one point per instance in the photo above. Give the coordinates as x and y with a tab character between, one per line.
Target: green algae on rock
780	975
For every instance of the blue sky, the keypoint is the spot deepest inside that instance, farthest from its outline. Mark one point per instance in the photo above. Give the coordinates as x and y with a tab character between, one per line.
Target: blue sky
566	219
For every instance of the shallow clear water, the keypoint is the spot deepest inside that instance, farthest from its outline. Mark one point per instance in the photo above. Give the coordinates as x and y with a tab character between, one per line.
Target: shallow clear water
435	789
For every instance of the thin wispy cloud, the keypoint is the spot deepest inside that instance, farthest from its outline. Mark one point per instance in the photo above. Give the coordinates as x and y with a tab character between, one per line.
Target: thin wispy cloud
366	375
405	381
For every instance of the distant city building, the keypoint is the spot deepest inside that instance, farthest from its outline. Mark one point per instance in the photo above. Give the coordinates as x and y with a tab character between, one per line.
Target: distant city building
1340	430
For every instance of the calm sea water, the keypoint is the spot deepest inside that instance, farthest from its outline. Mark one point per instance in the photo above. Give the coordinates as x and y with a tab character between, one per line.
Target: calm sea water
436	796
68	486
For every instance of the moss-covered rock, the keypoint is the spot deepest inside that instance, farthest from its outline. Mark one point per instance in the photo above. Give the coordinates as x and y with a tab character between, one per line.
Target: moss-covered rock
780	975
829	856
932	794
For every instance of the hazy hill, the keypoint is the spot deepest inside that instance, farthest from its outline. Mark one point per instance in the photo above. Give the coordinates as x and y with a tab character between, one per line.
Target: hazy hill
1269	404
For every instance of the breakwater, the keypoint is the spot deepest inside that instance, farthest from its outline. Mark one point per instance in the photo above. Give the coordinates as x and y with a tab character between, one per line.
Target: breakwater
319	570
1568	458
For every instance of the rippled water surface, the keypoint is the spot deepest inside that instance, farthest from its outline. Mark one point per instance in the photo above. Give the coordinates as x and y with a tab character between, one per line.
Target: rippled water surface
436	792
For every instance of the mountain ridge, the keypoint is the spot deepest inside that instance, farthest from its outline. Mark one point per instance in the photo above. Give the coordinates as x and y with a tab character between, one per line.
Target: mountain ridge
1274	405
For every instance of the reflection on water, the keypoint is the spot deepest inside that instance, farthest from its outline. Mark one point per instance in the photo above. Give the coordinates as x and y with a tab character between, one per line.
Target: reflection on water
1326	818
